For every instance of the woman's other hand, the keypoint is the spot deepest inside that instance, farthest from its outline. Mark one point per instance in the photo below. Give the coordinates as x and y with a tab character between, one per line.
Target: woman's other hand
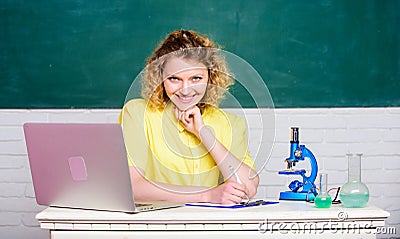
229	192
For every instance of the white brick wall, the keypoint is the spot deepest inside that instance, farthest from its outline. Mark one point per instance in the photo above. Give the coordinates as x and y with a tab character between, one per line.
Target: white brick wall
329	133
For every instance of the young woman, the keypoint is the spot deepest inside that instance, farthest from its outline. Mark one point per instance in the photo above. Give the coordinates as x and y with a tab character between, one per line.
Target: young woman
181	146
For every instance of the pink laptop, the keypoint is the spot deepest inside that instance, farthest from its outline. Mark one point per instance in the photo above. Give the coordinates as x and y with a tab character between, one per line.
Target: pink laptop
82	166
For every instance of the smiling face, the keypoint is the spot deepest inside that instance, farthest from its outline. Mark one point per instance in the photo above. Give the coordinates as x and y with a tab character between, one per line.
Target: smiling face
185	81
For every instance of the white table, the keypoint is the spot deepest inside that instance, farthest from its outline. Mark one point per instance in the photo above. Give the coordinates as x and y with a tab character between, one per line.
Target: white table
288	219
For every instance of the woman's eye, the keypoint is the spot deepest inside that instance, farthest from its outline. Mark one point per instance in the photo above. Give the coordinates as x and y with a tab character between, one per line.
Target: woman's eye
197	78
174	79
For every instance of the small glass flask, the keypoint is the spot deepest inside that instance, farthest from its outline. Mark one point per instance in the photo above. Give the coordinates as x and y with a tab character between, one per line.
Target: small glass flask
323	200
354	193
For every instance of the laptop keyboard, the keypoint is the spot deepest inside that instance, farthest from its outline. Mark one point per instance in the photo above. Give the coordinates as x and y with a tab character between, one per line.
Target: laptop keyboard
142	204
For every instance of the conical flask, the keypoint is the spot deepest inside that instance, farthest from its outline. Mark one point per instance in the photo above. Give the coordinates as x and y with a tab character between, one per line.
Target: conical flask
354	193
323	200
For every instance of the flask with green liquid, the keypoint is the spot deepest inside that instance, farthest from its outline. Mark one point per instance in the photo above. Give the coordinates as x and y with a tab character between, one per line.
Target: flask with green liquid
354	193
323	200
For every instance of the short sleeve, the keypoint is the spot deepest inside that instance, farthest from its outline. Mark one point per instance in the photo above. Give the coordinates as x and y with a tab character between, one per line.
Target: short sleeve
239	146
132	120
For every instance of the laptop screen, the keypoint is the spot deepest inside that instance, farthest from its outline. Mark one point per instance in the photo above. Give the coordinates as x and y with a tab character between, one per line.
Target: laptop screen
79	166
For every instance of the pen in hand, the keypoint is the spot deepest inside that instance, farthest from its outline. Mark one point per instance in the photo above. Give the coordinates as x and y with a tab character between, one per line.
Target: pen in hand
234	174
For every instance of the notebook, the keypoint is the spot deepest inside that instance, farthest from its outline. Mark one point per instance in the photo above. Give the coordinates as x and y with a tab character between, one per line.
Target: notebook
250	203
82	166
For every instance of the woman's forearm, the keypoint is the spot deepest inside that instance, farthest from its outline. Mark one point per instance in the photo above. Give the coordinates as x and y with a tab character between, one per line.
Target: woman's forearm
224	159
145	190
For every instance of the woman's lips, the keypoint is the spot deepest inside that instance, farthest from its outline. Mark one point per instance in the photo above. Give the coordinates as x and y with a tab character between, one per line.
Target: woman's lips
186	99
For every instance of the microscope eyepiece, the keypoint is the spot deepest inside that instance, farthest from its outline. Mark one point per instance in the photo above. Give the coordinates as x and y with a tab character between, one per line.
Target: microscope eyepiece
294	135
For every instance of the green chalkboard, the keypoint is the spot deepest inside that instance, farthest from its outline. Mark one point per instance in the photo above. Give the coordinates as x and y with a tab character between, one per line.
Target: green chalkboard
85	54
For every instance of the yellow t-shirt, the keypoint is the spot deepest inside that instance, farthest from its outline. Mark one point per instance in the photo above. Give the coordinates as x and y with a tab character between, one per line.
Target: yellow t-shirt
159	145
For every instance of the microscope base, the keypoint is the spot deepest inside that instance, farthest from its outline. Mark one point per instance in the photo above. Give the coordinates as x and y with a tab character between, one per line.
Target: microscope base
301	196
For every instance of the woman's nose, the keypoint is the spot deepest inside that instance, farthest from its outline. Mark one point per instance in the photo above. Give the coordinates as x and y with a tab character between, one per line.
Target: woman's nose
186	87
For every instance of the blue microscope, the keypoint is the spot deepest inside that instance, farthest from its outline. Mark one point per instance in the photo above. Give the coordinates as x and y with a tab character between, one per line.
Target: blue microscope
305	190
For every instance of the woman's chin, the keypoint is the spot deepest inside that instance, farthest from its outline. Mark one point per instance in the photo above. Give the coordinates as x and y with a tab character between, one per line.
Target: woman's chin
184	106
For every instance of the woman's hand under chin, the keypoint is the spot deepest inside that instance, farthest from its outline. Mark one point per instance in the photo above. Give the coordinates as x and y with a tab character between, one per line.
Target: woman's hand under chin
190	118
